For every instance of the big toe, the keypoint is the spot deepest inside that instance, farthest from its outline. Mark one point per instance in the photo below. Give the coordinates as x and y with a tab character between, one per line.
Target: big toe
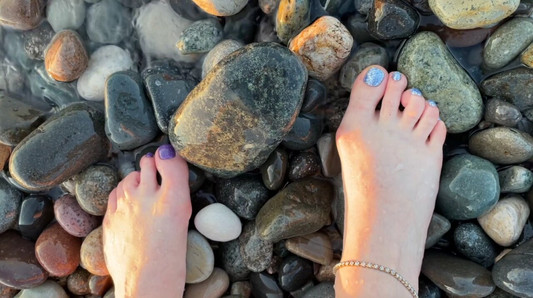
172	168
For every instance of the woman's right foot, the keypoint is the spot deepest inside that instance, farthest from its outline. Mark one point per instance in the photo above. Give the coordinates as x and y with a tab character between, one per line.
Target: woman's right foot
391	163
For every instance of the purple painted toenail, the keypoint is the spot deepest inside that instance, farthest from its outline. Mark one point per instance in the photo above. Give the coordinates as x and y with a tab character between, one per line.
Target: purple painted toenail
396	76
432	103
166	152
415	91
374	77
149	154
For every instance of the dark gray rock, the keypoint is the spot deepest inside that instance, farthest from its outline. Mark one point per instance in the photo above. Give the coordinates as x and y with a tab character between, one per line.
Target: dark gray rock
274	170
363	6
507	42
60	148
427	289
315	95
502	145
232	121
232	261
502	113
243	25
244	195
294	272
130	120
256	253
438	226
93	187
471	241
265	286
187	9
391	19
514	272
357	24
291	18
36	212
329	155
304	133
200	37
36	40
367	54
322	290
219	52
514	86
515	179
133	3
18	119
108	22
304	164
10	199
469	187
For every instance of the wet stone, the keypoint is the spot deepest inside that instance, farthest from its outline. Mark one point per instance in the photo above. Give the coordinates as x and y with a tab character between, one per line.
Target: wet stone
265	286
167	85
469	187
18	119
185	8
325	44
36	40
430	67
200	258
357	24
363	6
244	195
10	204
329	155
12	78
92	253
19	266
508	42
130	121
196	179
499	293
505	222
315	247
367	54
527	56
457	276
221	8
93	187
59	94
304	164
294	273
75	135
303	207
515	179
65	57
78	282
427	289
502	145
473	243
322	290
391	19
65	14
21	14
72	218
243	26
233	261
513	272
503	113
219	52
514	86
200	37
48	289
291	18
274	170
256	253
315	95
36	212
108	22
243	116
304	133
215	286
58	251
5	152
438	226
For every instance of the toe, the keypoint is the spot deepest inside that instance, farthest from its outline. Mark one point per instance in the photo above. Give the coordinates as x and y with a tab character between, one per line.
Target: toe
367	91
391	100
112	202
414	105
438	135
172	168
148	172
427	121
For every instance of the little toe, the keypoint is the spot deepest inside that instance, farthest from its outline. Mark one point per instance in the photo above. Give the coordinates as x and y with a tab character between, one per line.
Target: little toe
391	100
414	105
148	172
172	168
427	121
438	135
367	91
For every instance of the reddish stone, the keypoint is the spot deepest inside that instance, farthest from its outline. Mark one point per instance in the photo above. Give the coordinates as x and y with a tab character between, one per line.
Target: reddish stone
19	267
58	251
5	152
92	253
65	57
78	282
72	218
100	284
21	14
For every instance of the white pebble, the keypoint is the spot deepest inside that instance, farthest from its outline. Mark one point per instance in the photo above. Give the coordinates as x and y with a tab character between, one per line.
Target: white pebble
218	223
65	14
104	62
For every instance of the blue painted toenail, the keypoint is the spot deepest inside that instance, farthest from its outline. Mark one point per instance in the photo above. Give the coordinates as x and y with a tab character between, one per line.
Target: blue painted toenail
432	103
396	76
415	91
149	154
374	77
166	152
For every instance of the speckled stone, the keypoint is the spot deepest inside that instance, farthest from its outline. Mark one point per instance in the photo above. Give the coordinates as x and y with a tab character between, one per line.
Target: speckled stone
221	8
78	282
65	57
508	42
49	289
527	56
219	52
303	207
10	202
274	170
58	251
515	179
265	286
315	247
322	290
200	258
19	266
304	133
18	119
72	218
92	253
392	19
503	113
367	54
469	187
232	260
502	145
36	40
200	37
93	187
513	272
438	226
304	164
325	44
21	14
77	139
256	253
214	286
236	136
430	67
244	195
473	243
456	276
514	86
504	223
472	14
291	18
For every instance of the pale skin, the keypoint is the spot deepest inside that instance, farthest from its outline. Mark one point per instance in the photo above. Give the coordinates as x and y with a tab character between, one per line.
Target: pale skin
391	163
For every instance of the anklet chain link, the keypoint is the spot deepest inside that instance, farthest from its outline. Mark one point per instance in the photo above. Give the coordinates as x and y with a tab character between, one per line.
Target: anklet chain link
354	263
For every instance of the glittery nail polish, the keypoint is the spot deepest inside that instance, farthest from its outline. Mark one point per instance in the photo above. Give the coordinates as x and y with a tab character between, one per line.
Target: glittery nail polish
166	152
432	103
374	77
415	91
396	76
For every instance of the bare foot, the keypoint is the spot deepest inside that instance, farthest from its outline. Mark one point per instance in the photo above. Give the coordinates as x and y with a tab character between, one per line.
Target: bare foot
391	162
145	228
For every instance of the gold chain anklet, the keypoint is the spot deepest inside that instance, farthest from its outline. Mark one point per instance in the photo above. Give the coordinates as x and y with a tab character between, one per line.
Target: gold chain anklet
381	268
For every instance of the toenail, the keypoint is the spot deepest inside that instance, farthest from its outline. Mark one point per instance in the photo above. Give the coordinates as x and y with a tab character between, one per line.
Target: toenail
149	154
374	77
396	76
432	103
166	152
415	91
